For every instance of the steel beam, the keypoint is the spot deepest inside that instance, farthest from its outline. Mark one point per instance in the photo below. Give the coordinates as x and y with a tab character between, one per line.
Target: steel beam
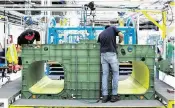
70	6
161	26
72	9
40	6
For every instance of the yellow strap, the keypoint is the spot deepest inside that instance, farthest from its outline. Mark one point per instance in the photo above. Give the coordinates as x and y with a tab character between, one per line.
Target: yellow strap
11	54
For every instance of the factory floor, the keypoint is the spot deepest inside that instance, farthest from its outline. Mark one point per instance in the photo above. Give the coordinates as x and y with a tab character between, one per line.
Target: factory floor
13	76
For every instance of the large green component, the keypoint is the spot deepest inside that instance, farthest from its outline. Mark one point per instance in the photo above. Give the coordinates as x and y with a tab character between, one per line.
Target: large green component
81	63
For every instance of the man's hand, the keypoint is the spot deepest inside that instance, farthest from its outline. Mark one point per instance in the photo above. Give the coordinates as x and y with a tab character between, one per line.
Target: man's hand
122	43
19	49
38	44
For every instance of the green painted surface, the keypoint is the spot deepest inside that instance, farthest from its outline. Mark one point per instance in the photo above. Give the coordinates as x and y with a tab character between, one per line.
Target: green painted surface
81	63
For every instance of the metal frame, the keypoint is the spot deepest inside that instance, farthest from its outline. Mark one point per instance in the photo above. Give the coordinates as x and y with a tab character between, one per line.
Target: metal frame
161	26
130	32
164	33
70	8
6	33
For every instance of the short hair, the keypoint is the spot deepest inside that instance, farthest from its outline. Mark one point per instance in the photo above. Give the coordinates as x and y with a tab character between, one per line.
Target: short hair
30	31
169	40
107	26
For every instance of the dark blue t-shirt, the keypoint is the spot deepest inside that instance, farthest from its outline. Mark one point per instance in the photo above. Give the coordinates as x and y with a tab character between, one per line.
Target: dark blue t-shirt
107	39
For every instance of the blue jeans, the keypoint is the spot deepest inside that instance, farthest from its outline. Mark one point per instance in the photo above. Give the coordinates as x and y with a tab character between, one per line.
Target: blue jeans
109	58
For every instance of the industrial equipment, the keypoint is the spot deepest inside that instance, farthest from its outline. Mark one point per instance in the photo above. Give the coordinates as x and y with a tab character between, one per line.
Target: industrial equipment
81	64
56	35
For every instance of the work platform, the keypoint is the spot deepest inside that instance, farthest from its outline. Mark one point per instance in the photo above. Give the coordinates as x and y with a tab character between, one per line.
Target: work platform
161	91
11	90
85	104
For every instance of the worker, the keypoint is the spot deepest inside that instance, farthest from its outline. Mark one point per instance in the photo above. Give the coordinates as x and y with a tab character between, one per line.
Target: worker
27	37
108	49
170	49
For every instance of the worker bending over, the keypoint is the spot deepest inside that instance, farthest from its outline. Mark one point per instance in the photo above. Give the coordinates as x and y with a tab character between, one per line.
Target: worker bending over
27	37
108	48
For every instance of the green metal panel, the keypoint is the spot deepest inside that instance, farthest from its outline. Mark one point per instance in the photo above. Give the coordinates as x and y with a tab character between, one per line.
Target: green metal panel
81	63
164	66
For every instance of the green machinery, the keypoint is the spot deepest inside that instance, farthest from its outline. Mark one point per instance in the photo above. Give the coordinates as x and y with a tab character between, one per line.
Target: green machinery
82	73
165	66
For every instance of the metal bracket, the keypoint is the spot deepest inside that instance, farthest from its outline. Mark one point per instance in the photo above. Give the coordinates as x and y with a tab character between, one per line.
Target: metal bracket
161	26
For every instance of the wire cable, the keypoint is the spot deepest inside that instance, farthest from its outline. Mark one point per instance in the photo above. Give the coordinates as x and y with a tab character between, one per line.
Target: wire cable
168	7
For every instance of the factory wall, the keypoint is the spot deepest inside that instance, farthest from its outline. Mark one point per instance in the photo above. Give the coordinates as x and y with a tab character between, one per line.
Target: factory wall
15	31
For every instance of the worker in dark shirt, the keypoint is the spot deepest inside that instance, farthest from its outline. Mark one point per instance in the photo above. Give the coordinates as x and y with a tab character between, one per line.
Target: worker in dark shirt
27	37
108	49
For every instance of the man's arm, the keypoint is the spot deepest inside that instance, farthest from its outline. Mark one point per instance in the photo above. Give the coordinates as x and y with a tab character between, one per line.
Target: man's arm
18	44
18	48
98	41
120	34
37	34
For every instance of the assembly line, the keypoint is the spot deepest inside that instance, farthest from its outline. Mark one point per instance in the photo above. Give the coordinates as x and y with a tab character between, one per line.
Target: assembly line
70	55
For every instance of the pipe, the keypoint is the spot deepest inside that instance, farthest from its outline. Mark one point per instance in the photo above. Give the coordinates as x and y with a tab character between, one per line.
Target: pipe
63	6
17	24
11	15
41	6
16	13
6	34
67	6
71	9
138	26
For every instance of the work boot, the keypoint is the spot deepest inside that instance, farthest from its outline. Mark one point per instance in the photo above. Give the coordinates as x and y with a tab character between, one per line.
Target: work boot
115	98
105	99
